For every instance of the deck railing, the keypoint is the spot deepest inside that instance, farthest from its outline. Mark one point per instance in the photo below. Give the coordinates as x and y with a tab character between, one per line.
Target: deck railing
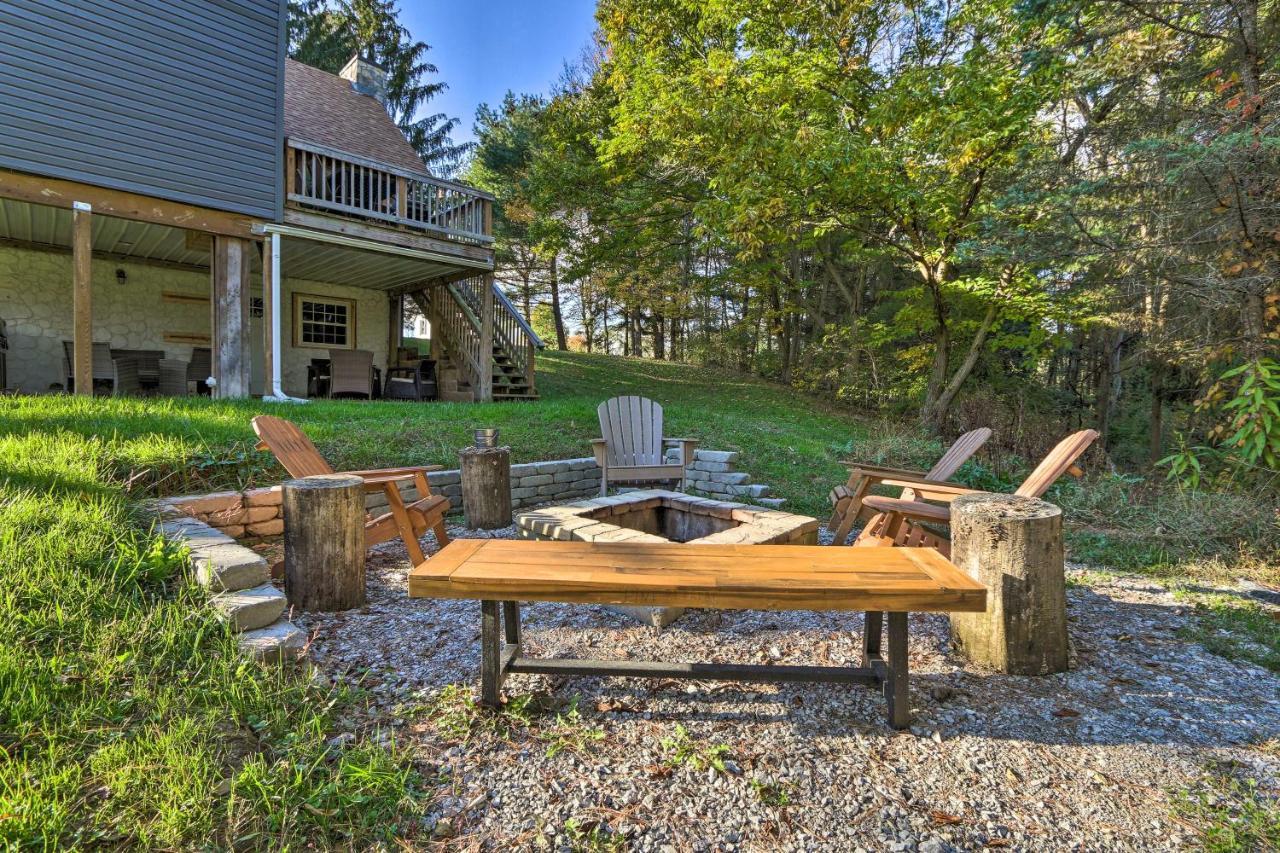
327	179
511	331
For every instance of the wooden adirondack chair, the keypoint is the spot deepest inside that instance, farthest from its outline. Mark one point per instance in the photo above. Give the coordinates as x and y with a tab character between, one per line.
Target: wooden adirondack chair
899	520
407	521
846	500
632	448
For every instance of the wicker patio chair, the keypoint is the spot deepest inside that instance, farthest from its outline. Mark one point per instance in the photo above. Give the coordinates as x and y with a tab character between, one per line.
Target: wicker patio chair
351	373
125	379
173	378
103	371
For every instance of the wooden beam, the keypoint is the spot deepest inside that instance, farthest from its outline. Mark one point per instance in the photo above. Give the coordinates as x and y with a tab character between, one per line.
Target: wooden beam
438	281
231	317
393	236
125	205
486	340
82	297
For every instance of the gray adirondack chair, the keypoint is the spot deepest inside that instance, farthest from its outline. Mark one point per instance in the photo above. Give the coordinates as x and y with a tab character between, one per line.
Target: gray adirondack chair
632	448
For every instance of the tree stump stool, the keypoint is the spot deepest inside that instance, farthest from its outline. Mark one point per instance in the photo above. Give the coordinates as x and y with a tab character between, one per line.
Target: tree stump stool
1013	545
486	486
324	545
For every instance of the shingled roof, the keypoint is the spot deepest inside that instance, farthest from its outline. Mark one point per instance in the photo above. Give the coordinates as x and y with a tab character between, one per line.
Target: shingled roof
323	109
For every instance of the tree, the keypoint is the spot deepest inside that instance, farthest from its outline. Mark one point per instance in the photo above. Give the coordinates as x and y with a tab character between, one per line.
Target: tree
327	33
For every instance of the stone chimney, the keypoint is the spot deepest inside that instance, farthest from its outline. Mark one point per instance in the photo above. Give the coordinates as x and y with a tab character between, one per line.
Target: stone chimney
366	77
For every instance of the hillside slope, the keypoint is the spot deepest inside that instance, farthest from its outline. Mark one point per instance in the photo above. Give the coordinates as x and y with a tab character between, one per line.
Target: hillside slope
161	446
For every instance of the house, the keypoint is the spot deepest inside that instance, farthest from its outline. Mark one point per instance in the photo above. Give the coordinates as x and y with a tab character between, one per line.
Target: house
171	185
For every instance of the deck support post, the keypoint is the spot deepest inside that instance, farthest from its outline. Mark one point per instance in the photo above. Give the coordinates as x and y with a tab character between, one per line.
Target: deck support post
230	303
82	298
485	391
395	328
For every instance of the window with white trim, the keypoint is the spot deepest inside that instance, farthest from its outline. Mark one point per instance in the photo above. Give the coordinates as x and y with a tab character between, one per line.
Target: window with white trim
324	321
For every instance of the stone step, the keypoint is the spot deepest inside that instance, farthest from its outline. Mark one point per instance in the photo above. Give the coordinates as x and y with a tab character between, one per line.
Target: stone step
281	640
773	502
224	566
249	609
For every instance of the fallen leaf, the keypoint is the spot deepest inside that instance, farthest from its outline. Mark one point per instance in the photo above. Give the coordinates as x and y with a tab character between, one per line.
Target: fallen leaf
1066	712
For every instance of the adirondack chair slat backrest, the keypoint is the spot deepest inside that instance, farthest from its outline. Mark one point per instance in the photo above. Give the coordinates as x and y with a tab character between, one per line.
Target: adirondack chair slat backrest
632	426
1059	461
291	446
959	453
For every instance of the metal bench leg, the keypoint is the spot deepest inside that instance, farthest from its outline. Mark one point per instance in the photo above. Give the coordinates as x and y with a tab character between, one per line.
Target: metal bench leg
490	655
511	627
872	629
895	687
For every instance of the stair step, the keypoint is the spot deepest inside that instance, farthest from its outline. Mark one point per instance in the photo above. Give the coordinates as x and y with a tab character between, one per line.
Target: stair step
248	609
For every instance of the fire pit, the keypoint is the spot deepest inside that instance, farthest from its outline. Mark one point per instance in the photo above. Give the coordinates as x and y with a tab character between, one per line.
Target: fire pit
657	515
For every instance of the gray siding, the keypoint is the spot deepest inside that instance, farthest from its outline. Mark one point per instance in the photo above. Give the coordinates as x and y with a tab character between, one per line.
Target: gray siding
178	100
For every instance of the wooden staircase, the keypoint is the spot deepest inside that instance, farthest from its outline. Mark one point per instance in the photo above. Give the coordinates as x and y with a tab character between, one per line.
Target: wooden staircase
455	312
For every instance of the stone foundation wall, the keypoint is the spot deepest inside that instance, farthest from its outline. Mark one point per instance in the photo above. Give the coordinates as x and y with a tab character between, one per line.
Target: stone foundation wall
35	303
257	512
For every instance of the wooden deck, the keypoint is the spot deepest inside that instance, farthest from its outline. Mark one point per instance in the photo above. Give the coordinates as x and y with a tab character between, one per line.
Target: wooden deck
757	577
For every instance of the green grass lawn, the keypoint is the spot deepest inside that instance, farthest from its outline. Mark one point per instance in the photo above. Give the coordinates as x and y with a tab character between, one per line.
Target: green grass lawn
177	446
127	719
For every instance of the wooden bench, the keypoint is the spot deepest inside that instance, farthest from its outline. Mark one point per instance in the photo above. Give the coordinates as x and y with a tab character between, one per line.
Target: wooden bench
895	581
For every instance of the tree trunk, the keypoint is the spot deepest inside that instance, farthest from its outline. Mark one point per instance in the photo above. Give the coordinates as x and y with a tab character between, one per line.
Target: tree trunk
1155	449
1105	390
1014	546
561	343
324	542
486	486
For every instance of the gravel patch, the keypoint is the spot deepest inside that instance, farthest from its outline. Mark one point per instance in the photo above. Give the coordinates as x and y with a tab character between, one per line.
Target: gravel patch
1082	760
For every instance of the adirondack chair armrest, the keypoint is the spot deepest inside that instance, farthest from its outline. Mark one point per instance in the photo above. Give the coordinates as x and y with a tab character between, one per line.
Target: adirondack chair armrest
883	470
379	483
933	490
409	470
912	510
686	446
600	449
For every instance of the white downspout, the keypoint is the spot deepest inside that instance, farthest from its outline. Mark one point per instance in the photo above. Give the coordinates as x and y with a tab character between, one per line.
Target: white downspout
277	394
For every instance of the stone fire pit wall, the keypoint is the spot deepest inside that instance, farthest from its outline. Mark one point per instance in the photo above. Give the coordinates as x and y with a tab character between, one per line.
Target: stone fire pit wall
658	515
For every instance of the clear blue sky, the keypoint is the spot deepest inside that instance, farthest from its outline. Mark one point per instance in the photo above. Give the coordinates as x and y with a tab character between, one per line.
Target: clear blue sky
485	47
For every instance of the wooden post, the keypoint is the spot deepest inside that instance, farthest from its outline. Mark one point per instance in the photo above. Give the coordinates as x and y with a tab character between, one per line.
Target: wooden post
395	329
486	340
486	486
230	305
1014	546
82	297
324	543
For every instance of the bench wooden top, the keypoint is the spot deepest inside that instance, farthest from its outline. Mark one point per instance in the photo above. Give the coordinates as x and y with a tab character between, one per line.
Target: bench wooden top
756	577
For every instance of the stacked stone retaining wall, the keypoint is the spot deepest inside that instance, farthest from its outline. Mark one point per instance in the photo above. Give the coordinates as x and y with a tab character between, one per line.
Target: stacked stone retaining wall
257	512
